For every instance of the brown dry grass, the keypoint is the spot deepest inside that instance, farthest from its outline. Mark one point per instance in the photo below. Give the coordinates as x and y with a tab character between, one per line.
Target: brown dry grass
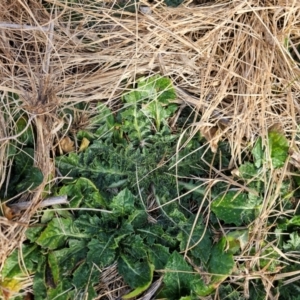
228	59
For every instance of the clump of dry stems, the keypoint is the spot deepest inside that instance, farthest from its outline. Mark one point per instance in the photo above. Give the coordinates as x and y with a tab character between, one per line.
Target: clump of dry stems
234	61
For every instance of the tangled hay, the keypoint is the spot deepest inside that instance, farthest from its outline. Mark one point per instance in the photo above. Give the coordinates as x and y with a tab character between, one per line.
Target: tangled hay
236	62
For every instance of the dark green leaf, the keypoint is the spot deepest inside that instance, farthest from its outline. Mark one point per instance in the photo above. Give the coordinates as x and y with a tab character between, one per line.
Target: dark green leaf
31	179
178	216
156	234
102	123
85	276
134	246
178	277
158	256
198	237
137	273
68	165
101	252
229	292
138	219
137	291
88	225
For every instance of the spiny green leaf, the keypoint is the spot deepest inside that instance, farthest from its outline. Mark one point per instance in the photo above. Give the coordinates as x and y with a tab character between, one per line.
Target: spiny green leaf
198	237
123	203
67	258
101	252
158	91
85	276
32	233
68	164
178	216
293	244
138	218
104	119
279	147
133	97
90	225
83	193
221	263
134	246
56	234
137	291
229	292
155	233
178	277
136	272
31	256
157	87
234	208
158	256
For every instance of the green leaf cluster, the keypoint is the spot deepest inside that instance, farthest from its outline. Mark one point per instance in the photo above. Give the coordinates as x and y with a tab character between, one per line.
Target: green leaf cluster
70	252
132	161
131	155
148	108
243	208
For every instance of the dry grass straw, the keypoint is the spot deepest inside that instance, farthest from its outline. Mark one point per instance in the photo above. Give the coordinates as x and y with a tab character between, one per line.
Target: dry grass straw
228	59
111	284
